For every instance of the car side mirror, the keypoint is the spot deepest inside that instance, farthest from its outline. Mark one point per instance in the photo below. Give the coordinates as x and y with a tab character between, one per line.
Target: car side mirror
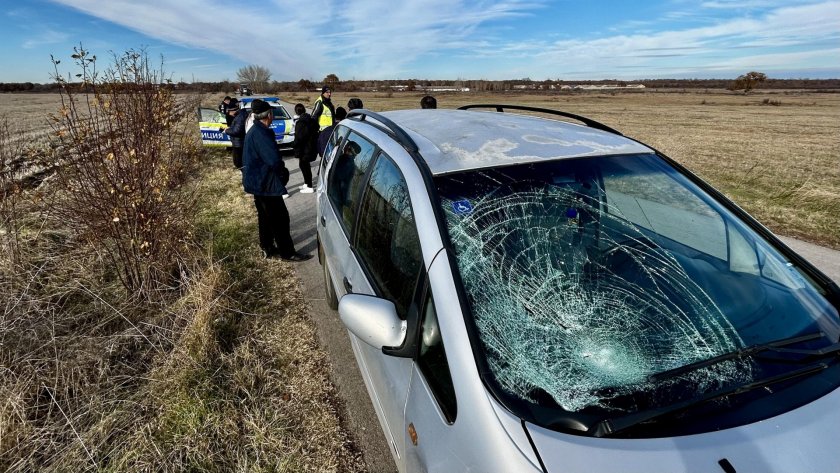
373	320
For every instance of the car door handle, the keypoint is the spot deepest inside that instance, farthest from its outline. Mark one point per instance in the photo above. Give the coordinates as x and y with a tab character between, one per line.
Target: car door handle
347	286
323	221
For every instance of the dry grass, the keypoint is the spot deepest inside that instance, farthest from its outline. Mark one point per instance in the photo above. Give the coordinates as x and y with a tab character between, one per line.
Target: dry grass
226	377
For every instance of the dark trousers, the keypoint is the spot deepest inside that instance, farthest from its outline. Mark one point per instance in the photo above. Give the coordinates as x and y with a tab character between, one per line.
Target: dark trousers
273	220
237	157
306	170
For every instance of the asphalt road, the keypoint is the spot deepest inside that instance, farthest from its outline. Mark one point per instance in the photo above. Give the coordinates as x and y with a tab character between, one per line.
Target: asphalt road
360	416
361	419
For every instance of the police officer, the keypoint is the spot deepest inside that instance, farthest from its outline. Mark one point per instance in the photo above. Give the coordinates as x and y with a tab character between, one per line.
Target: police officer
322	113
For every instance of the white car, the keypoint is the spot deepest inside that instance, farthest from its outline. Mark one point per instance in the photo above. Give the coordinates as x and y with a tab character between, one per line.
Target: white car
530	295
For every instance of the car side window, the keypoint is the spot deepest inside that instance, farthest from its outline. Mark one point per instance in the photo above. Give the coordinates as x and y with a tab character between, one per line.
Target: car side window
335	137
387	239
433	363
347	176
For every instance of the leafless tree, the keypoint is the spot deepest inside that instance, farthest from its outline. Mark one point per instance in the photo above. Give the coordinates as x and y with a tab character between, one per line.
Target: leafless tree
331	80
255	76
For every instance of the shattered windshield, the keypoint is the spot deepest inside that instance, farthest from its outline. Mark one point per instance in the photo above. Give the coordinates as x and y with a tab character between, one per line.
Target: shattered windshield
585	277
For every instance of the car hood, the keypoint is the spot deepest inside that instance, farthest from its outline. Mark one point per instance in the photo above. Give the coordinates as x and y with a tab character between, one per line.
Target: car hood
804	439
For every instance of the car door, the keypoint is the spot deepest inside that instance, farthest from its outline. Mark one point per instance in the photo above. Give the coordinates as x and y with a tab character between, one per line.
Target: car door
281	124
212	124
338	203
388	264
431	407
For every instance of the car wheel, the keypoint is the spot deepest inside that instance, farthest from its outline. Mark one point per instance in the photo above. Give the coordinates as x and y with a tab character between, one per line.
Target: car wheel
329	289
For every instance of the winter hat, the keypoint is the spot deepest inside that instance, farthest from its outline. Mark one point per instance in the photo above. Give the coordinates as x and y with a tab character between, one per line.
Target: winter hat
259	106
325	89
340	113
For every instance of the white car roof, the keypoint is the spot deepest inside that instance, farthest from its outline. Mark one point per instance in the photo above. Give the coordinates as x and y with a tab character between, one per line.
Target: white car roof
458	140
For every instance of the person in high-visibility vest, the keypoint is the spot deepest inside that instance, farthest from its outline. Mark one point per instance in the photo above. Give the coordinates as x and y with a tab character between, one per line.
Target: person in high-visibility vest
324	110
323	113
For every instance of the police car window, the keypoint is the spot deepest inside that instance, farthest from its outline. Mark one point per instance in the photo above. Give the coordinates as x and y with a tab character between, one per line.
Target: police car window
347	175
279	113
210	115
433	363
387	238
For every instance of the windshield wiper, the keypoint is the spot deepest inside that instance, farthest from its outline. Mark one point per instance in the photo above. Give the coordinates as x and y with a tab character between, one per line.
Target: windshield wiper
610	426
745	352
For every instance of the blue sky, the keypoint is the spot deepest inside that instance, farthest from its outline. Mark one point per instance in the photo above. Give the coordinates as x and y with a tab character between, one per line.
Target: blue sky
209	40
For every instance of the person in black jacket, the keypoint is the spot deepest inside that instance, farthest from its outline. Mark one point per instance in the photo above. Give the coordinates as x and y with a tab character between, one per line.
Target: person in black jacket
305	146
428	102
224	106
354	103
236	131
265	176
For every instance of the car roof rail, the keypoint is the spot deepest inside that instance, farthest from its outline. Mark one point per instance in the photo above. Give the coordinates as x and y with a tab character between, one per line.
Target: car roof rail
399	134
586	121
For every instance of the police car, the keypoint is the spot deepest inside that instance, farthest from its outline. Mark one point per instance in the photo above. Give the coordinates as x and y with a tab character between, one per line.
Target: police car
212	124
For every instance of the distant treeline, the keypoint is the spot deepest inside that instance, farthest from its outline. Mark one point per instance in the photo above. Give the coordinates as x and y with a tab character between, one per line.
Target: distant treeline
305	85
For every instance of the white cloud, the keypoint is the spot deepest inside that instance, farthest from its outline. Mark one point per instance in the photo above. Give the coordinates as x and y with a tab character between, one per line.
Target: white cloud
795	60
44	37
748	4
268	35
363	38
385	38
182	60
784	27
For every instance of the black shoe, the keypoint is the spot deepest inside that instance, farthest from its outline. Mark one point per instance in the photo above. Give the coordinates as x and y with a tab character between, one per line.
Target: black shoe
270	255
296	257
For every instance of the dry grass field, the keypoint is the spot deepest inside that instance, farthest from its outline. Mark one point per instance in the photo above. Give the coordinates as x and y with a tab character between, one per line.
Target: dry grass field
775	153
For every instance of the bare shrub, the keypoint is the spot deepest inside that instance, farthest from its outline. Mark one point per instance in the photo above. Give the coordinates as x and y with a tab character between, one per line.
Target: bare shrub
128	147
748	81
771	102
9	195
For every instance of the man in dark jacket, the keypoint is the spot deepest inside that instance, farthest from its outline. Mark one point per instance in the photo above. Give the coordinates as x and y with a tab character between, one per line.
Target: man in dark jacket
265	176
305	146
236	131
223	108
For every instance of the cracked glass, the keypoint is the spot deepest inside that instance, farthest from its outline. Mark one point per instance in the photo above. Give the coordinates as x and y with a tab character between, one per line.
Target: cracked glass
586	276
